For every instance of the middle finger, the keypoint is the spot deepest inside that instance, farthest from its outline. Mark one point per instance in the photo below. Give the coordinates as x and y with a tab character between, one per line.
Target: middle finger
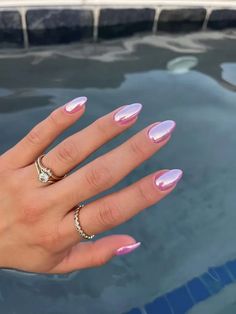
108	169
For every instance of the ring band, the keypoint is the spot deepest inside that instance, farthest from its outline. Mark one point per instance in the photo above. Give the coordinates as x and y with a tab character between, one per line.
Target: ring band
45	175
78	225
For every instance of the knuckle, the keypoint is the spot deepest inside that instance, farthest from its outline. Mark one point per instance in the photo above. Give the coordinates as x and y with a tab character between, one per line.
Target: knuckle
96	259
147	195
99	260
49	240
137	149
67	152
34	136
101	127
55	119
99	177
30	211
30	214
9	181
110	214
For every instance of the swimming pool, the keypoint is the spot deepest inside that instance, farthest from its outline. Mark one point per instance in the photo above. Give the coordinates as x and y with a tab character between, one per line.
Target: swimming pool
187	261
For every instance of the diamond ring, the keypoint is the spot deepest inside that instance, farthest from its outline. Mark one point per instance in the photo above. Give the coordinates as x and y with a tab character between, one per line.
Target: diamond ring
45	175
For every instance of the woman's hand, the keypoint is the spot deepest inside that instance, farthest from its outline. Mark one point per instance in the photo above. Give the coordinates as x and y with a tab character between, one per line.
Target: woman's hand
37	230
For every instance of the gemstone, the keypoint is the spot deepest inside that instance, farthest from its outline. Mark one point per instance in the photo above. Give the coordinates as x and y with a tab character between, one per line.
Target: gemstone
43	177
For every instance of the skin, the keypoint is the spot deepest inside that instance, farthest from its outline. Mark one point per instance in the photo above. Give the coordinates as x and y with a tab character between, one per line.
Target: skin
37	232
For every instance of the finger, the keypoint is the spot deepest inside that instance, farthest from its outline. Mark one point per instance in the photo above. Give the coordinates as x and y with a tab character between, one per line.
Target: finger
112	210
43	134
77	147
98	253
103	172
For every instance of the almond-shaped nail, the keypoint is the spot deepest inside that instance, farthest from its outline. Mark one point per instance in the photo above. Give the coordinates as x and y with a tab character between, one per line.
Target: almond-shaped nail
168	179
75	105
159	132
127	113
127	249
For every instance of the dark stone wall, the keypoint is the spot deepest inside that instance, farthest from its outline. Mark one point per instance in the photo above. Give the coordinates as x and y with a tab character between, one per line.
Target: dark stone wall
124	22
181	20
222	19
61	26
47	27
11	34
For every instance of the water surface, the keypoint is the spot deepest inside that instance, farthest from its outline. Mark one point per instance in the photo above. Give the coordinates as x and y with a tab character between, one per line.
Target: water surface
190	231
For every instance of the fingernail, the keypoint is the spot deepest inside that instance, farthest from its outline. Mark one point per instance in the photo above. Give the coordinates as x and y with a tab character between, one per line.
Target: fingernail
161	131
127	249
168	179
127	113
75	104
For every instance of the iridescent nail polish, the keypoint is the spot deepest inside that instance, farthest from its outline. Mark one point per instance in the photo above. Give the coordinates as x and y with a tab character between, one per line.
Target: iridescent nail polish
127	113
168	179
75	105
159	132
127	249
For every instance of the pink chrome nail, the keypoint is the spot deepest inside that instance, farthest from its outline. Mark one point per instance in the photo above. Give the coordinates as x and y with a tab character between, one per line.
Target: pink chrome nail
127	113
75	105
168	179
161	131
127	249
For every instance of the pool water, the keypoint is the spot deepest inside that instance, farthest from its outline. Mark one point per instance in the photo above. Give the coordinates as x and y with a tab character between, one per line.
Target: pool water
186	263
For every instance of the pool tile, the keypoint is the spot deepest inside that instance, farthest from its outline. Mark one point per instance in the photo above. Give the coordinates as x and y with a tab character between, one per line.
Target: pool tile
231	267
223	275
222	19
158	306
11	33
198	290
181	20
180	300
124	22
58	26
212	282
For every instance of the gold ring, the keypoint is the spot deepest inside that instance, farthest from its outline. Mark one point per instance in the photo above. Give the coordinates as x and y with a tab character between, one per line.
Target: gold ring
78	225
45	175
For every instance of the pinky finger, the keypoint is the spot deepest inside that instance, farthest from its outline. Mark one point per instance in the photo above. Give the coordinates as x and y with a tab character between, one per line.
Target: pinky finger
97	253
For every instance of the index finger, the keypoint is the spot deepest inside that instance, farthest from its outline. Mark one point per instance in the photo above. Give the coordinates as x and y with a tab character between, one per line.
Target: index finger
43	134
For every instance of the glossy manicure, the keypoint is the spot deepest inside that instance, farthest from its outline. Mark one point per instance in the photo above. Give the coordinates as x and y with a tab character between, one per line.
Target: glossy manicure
127	113
168	179
127	249
75	105
159	132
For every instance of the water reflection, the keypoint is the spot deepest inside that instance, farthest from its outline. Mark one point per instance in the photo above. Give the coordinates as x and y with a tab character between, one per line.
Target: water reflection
91	66
182	65
229	75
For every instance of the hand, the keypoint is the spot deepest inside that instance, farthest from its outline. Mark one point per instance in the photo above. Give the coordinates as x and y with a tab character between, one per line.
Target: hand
37	230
